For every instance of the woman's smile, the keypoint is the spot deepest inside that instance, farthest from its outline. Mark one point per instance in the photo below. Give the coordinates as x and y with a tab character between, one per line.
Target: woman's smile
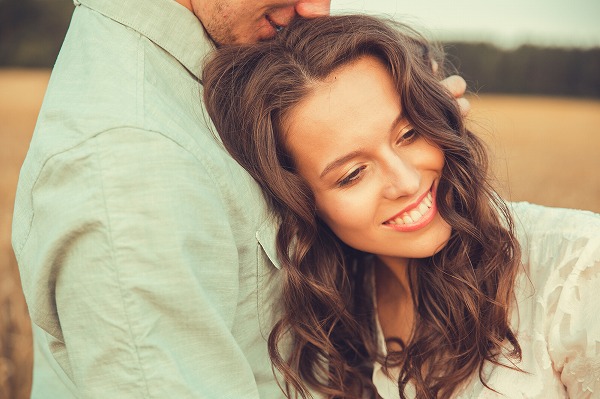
415	216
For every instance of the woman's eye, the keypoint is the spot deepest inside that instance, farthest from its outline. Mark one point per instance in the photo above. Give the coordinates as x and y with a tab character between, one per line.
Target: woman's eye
352	177
408	137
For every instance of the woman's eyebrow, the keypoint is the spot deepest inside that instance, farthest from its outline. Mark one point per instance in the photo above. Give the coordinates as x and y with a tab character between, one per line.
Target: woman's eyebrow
400	118
340	161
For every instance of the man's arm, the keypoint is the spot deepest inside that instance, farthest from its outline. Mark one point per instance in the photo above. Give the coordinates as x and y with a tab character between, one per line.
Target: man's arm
131	269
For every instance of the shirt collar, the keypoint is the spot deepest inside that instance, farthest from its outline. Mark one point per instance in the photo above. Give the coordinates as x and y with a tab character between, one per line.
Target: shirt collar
165	22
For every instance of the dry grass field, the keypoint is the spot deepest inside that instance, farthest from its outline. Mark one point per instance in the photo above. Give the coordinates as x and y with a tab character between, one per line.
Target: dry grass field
545	150
21	95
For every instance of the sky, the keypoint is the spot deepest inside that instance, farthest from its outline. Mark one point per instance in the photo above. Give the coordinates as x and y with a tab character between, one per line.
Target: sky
507	23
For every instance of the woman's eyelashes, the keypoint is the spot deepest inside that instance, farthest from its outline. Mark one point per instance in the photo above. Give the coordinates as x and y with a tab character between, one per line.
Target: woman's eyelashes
352	177
407	137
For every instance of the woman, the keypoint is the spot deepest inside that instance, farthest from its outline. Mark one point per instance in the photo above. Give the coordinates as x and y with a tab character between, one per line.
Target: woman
406	275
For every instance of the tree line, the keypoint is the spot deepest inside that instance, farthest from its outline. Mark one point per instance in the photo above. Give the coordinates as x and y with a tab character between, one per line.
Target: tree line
527	69
31	32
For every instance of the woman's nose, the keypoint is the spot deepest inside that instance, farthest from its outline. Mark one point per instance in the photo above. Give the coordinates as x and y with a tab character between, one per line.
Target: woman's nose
400	179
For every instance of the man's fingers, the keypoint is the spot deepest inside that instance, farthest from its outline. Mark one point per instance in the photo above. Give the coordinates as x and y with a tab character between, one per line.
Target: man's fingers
313	8
464	105
456	85
434	66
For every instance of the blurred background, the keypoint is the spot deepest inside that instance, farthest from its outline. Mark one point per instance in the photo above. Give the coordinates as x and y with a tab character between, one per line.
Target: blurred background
533	70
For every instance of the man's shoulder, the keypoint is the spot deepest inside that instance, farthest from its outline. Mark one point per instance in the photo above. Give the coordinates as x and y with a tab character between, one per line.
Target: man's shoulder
108	76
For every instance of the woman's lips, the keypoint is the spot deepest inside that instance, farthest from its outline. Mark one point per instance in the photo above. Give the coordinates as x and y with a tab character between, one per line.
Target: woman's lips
416	215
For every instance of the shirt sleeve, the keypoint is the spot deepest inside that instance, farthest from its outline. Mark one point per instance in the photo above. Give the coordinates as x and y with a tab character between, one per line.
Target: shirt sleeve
574	334
131	269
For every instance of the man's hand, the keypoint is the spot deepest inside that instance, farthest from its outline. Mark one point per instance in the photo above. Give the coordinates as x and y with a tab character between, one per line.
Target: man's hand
313	8
457	87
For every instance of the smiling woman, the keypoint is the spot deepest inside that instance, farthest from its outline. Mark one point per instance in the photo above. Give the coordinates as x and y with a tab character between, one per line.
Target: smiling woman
406	275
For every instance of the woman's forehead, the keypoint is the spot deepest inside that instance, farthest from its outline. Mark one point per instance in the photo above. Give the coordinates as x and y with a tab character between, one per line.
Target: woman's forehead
356	105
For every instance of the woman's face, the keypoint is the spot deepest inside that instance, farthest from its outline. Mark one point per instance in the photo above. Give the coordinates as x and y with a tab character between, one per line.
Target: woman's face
374	178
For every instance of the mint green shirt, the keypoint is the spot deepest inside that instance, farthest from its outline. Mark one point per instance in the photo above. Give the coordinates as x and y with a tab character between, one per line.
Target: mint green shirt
145	251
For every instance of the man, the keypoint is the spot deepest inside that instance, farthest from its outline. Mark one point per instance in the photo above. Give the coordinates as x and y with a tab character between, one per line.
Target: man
147	254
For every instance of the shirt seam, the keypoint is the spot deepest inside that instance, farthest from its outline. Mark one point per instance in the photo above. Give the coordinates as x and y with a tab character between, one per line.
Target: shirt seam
113	256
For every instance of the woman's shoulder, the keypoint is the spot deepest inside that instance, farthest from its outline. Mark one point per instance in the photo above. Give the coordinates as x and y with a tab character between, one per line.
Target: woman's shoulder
555	238
561	257
555	233
569	223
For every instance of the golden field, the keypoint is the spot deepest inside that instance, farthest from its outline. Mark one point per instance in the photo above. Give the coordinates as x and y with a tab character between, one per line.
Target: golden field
544	150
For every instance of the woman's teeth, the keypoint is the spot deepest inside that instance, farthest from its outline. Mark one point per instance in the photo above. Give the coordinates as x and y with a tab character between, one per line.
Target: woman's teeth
415	214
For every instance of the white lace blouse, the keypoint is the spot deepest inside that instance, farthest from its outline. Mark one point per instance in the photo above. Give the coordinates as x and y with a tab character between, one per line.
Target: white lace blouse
556	317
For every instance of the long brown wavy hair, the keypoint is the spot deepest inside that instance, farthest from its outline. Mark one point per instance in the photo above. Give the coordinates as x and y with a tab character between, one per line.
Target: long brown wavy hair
463	293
